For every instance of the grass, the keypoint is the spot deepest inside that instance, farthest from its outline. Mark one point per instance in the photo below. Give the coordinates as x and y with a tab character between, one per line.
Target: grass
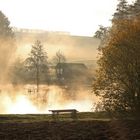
27	118
88	126
24	118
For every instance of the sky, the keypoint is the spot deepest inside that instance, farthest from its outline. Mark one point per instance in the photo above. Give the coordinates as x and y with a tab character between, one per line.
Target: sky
79	17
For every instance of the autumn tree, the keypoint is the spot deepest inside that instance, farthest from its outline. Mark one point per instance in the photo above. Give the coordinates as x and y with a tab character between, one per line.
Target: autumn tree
37	62
135	9
118	76
103	34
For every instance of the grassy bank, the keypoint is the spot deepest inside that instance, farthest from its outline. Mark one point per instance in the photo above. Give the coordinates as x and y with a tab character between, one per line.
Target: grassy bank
27	118
88	126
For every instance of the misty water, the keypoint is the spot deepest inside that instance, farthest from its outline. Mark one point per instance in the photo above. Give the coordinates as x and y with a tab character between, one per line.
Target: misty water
25	100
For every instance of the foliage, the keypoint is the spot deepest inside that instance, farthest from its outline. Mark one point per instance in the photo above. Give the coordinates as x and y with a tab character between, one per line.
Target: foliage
121	11
7	42
37	63
17	72
118	76
103	34
5	29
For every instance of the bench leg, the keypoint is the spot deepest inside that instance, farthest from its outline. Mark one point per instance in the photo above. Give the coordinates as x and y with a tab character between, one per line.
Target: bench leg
74	115
55	115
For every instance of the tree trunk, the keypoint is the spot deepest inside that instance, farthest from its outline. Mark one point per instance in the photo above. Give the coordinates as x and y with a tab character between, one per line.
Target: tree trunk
37	79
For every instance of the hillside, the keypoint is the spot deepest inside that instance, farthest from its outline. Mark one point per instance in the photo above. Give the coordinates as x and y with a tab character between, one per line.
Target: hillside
74	47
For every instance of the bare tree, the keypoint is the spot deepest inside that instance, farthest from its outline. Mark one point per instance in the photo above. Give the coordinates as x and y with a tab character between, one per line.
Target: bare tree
59	57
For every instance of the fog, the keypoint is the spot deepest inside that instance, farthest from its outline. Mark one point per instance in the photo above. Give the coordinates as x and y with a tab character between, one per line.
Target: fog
19	101
73	47
7	55
16	99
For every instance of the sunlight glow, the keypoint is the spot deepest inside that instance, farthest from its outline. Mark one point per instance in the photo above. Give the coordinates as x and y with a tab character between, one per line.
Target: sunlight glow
79	17
20	103
22	106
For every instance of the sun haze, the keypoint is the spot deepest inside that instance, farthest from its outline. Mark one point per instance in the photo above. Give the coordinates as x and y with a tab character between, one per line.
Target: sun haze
79	17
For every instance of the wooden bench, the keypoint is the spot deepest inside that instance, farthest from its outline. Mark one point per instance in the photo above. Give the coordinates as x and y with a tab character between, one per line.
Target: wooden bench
55	113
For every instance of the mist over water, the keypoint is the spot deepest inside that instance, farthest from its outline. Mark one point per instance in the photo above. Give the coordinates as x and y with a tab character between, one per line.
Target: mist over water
20	101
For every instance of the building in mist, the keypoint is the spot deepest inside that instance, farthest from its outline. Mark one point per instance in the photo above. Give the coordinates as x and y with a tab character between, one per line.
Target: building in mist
72	73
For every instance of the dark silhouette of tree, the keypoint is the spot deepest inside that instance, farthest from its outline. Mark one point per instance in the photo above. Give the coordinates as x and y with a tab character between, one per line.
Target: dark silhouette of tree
7	44
5	29
103	34
17	72
121	11
37	62
59	57
135	9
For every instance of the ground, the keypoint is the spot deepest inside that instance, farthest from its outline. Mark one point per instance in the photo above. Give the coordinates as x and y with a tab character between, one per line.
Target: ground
43	127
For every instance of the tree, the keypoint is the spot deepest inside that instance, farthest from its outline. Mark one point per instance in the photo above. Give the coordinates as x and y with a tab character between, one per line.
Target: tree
118	77
126	11
59	58
17	72
121	11
37	62
103	34
7	45
5	29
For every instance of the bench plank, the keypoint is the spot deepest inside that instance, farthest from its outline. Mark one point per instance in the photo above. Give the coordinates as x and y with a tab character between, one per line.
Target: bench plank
55	113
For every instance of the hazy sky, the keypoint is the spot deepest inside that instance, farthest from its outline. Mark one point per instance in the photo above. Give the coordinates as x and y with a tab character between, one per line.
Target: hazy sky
79	17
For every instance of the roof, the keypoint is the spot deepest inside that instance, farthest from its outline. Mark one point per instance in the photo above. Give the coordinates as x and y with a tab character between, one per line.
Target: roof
71	65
